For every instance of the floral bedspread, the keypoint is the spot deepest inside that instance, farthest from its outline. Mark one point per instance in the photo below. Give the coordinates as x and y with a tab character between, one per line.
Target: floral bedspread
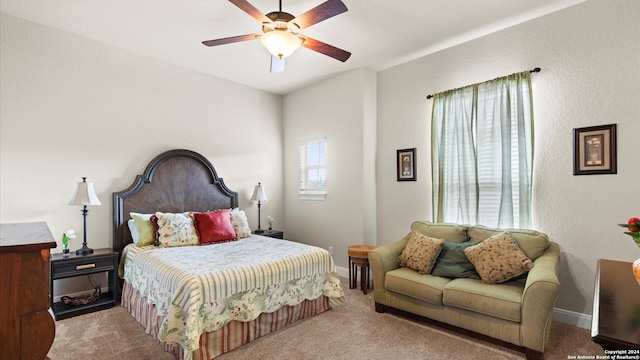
199	289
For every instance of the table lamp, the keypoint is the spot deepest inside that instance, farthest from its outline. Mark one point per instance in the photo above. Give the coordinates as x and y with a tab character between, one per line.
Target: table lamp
84	195
259	196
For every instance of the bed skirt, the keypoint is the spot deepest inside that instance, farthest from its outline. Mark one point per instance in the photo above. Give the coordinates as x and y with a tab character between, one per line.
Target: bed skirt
231	336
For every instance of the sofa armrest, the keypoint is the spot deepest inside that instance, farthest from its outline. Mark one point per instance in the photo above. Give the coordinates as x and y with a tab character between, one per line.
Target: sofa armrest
538	298
382	260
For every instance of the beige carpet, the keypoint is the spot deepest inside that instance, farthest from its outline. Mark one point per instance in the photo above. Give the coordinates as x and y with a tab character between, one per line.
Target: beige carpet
352	331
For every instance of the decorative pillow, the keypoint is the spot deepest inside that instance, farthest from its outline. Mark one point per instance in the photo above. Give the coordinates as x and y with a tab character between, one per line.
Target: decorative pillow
420	253
453	263
532	243
176	230
240	223
154	226
133	230
214	226
498	259
144	227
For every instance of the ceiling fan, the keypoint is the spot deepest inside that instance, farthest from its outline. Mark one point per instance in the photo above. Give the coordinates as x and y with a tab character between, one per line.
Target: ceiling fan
281	31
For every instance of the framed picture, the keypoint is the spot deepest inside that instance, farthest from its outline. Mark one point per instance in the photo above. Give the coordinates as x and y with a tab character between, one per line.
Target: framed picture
594	150
406	162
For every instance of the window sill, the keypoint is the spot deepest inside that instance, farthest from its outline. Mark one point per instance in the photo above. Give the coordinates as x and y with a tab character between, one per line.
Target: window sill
312	195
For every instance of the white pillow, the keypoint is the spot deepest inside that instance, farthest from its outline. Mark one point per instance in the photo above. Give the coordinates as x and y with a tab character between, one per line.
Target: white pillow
135	235
240	223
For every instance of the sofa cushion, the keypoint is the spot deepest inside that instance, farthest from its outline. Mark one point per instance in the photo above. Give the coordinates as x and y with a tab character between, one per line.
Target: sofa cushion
420	253
453	263
410	283
533	243
498	259
502	301
450	232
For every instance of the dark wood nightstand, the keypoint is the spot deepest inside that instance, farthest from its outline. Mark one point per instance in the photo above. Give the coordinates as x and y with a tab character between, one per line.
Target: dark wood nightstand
273	233
616	296
72	265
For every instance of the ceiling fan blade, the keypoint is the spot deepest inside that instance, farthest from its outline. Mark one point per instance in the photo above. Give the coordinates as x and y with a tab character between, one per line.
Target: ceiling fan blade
251	10
326	49
229	40
277	64
319	13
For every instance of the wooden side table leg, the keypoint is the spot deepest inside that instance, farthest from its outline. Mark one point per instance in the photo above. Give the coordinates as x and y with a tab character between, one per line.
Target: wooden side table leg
363	278
351	286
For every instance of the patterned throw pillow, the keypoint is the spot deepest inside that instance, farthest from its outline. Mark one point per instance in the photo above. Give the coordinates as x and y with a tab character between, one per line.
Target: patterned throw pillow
498	259
176	230
214	226
240	223
420	253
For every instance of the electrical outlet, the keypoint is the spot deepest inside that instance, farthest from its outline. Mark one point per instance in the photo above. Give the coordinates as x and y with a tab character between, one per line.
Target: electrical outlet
331	250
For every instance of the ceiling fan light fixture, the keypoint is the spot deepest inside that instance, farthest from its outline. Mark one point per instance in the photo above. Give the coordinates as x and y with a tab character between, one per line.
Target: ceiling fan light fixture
280	43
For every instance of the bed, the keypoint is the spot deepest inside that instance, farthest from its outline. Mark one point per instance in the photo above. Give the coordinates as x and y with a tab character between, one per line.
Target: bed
200	301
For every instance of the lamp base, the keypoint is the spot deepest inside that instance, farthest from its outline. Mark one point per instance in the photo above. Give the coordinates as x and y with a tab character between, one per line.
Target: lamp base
258	231
84	250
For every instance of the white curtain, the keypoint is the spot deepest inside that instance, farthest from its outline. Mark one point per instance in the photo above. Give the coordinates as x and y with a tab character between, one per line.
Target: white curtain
482	153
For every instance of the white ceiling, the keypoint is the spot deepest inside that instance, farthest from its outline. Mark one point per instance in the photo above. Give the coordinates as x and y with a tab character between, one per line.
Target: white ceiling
378	33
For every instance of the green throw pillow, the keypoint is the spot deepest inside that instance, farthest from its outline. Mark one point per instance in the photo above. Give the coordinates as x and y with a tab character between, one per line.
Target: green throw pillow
145	229
453	263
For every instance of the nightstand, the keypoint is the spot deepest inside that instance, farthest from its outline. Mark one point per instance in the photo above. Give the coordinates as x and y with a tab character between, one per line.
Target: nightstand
273	233
72	265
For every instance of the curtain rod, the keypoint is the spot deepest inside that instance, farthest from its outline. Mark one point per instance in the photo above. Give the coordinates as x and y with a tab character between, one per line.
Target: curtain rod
535	70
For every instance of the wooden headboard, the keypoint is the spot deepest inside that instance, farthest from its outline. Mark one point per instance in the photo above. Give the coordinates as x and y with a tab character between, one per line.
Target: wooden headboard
174	181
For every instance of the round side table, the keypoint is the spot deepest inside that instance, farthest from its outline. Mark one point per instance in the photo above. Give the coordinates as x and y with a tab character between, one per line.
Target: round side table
358	258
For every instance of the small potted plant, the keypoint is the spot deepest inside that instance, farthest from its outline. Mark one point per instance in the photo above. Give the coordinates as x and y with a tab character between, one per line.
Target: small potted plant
69	235
270	220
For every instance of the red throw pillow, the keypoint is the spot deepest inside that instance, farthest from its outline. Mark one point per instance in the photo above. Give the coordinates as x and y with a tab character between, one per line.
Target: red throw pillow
214	226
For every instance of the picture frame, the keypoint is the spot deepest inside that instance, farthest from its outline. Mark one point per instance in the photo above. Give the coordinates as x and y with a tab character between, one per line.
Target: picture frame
406	164
594	150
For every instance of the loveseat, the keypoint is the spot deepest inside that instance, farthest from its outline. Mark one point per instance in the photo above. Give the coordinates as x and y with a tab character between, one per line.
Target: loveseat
513	307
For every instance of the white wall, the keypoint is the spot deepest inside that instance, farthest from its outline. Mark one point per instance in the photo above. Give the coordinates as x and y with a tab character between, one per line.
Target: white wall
590	60
55	87
342	109
72	107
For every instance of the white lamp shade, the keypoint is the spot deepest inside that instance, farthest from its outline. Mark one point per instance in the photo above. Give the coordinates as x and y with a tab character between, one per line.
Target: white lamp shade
85	195
259	194
280	43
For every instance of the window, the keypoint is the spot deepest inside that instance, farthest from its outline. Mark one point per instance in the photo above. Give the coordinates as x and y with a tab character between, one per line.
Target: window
482	153
313	169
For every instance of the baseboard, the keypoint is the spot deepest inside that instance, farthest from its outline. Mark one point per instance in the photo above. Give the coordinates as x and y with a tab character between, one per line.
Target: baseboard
572	318
342	271
560	315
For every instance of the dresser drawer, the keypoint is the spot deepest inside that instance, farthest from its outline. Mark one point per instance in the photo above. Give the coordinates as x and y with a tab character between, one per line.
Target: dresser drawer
75	267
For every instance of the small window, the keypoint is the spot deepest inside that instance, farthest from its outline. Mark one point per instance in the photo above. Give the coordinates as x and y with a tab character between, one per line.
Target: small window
313	169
